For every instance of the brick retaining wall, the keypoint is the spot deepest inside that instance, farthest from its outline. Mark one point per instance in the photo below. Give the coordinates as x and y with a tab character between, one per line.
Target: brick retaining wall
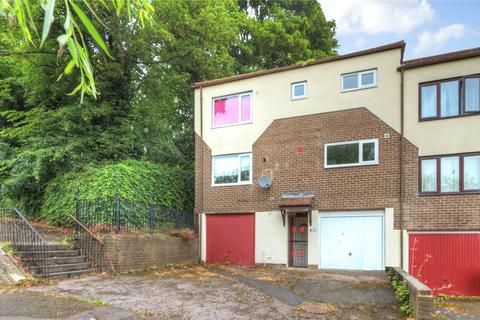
124	252
421	297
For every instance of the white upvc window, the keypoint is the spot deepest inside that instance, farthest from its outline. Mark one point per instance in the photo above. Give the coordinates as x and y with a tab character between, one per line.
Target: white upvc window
299	90
232	169
232	110
351	153
359	80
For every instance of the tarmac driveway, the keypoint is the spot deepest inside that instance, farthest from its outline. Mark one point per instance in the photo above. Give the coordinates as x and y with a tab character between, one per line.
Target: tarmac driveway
211	293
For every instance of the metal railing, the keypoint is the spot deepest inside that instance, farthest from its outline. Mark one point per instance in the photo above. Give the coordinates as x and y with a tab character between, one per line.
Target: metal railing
16	230
117	215
89	244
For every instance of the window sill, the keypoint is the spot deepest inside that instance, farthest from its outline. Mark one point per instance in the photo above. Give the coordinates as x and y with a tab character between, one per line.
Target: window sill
450	117
350	165
232	184
299	98
464	193
232	125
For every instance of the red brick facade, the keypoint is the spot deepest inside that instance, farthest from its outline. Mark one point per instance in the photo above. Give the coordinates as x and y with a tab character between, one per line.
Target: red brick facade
291	151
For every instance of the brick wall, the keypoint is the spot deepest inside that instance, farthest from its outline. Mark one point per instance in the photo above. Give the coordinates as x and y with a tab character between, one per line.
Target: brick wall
126	252
421	297
350	188
275	153
437	212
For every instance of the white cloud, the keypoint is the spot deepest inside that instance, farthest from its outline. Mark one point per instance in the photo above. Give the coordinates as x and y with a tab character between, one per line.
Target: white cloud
360	43
373	17
429	41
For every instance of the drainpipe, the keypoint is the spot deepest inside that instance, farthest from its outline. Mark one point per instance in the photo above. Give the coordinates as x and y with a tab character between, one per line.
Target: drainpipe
402	145
202	166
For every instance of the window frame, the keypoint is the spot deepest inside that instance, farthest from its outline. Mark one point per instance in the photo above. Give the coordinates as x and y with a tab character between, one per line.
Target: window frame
360	154
292	89
239	95
461	98
461	175
359	81
464	93
239	183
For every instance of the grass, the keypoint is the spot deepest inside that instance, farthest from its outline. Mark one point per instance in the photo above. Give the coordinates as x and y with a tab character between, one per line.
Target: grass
7	247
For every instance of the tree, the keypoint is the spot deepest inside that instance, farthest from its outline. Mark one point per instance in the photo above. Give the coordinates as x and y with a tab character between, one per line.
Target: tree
76	23
145	109
282	32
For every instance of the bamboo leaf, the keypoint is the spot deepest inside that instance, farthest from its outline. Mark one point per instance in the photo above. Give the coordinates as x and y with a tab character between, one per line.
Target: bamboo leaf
91	28
47	23
68	69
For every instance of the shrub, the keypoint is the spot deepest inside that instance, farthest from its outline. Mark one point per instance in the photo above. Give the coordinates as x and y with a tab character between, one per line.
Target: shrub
185	234
132	180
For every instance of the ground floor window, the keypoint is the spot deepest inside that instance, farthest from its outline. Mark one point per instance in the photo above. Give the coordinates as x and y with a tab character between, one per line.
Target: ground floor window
232	169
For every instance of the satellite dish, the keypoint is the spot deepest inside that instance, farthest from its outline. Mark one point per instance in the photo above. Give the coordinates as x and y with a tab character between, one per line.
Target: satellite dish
264	182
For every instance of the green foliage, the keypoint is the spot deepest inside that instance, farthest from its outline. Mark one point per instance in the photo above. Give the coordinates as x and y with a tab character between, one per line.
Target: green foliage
77	24
403	295
132	180
145	110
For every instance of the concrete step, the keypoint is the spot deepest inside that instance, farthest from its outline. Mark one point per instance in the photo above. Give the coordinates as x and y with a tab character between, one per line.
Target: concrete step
58	268
67	274
56	260
52	254
51	247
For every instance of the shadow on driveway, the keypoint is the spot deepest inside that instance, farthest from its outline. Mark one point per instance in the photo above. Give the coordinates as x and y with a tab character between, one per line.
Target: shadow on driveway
218	293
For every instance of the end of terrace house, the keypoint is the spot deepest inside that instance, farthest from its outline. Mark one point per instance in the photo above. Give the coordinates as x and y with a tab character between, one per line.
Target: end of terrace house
361	161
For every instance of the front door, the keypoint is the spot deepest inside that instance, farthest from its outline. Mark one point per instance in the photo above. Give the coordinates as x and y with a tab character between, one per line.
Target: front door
298	240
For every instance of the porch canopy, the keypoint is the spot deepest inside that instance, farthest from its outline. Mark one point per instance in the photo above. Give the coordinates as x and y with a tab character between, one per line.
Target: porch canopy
296	202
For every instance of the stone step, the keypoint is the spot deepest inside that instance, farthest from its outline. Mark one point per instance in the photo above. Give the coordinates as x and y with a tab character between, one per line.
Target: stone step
56	260
67	274
52	254
51	247
36	270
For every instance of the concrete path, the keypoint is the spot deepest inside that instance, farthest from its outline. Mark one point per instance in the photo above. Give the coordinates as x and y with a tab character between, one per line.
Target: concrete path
283	295
9	272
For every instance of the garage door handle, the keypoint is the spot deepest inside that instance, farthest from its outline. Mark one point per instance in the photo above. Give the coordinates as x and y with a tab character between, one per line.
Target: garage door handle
350	254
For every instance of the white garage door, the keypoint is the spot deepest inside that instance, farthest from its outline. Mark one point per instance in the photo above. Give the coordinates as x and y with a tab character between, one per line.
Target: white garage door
352	240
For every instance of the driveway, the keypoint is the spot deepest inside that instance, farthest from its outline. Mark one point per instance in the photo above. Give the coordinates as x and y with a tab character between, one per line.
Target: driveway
211	293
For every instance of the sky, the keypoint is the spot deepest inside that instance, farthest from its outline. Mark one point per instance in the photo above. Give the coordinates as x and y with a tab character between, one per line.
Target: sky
429	27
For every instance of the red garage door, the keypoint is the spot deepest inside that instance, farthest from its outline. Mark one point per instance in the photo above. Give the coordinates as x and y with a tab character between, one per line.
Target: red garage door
448	263
231	238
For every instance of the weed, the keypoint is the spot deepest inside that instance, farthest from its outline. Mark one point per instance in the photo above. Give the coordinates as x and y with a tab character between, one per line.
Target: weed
7	247
97	303
145	314
403	295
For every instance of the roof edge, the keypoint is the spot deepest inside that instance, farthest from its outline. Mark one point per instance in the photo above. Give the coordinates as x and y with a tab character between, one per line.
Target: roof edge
395	45
441	58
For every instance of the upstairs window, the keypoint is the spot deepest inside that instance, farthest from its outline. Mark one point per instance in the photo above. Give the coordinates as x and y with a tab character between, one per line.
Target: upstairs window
472	94
232	169
359	80
351	153
450	174
299	90
232	110
450	98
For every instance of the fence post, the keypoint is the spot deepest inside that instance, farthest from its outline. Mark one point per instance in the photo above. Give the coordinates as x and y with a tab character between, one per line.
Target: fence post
150	217
77	209
117	211
177	219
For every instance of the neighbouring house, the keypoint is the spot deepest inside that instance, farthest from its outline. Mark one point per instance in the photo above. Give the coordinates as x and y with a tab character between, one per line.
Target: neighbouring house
360	161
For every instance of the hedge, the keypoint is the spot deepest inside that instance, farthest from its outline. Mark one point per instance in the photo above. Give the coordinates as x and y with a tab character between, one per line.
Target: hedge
132	179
